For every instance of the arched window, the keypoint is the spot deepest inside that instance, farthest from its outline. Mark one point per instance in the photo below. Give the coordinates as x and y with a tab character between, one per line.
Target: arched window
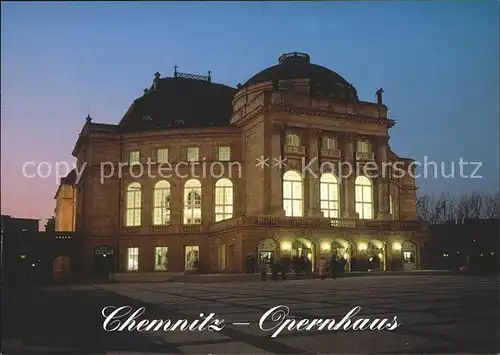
192	202
363	147
363	197
223	199
133	205
161	203
292	194
329	196
292	140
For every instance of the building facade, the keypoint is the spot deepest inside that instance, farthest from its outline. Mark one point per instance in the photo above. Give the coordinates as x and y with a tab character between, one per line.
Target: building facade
197	176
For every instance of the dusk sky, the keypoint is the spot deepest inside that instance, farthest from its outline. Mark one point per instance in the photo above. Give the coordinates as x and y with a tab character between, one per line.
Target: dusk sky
438	63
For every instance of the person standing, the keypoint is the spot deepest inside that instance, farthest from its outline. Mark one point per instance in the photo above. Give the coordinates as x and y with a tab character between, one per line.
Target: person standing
322	268
333	267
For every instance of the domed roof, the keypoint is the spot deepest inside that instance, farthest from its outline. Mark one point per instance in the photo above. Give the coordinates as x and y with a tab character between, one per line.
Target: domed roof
296	65
184	101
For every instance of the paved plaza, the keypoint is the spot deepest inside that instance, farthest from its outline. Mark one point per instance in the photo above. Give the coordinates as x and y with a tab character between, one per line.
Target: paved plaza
440	314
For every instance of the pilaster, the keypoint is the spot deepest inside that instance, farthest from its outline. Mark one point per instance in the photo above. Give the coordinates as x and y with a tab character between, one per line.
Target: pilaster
349	177
276	173
313	179
383	180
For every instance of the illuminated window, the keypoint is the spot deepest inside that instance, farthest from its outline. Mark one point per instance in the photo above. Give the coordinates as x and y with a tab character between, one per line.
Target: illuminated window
363	147
134	157
161	203
329	143
329	196
292	140
224	153
162	155
292	194
223	200
132	259
391	206
133	206
364	201
192	202
193	154
161	258
191	254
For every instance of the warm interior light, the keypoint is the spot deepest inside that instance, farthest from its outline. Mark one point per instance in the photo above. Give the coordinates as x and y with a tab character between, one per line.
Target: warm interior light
396	246
325	246
362	246
286	246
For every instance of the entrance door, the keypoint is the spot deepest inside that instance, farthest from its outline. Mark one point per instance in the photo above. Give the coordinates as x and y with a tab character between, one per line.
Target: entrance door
266	256
104	260
60	267
191	257
303	250
409	261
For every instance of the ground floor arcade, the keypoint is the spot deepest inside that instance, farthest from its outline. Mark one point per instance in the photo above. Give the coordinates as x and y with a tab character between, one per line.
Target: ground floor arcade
230	251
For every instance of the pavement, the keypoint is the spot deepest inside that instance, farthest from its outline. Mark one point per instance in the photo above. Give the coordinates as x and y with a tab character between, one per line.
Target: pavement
445	314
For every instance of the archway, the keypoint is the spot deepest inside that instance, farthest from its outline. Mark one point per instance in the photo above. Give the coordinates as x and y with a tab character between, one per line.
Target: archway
375	253
342	249
104	260
409	252
267	251
61	267
303	250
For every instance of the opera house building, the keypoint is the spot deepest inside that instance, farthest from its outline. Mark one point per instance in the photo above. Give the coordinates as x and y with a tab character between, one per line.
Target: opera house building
201	177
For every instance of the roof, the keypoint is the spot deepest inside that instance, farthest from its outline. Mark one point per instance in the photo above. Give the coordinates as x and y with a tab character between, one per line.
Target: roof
185	101
298	66
69	179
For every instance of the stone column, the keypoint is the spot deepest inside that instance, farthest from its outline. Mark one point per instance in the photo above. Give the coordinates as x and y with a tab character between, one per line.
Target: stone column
276	174
383	180
313	178
348	178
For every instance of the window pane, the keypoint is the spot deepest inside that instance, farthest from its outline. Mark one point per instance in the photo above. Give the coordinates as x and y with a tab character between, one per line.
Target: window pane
367	211
359	193
367	194
192	154
297	190
224	153
162	155
359	209
324	191
287	189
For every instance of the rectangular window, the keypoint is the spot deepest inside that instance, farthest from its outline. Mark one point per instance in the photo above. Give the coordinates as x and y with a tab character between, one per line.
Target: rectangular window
162	155
193	154
132	259
363	147
133	207
161	258
224	153
329	143
292	140
134	157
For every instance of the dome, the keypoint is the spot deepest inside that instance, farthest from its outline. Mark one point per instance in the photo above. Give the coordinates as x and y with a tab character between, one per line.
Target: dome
187	101
323	81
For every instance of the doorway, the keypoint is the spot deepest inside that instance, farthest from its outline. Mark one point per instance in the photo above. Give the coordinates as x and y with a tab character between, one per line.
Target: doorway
191	257
104	260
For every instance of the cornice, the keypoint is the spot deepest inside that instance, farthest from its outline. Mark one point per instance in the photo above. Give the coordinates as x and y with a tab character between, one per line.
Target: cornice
345	117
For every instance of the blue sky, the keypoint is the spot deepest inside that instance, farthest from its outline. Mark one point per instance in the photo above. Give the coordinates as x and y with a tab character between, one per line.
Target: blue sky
437	62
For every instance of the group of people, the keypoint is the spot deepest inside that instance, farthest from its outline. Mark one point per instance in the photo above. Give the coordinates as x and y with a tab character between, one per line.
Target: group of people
334	266
299	265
